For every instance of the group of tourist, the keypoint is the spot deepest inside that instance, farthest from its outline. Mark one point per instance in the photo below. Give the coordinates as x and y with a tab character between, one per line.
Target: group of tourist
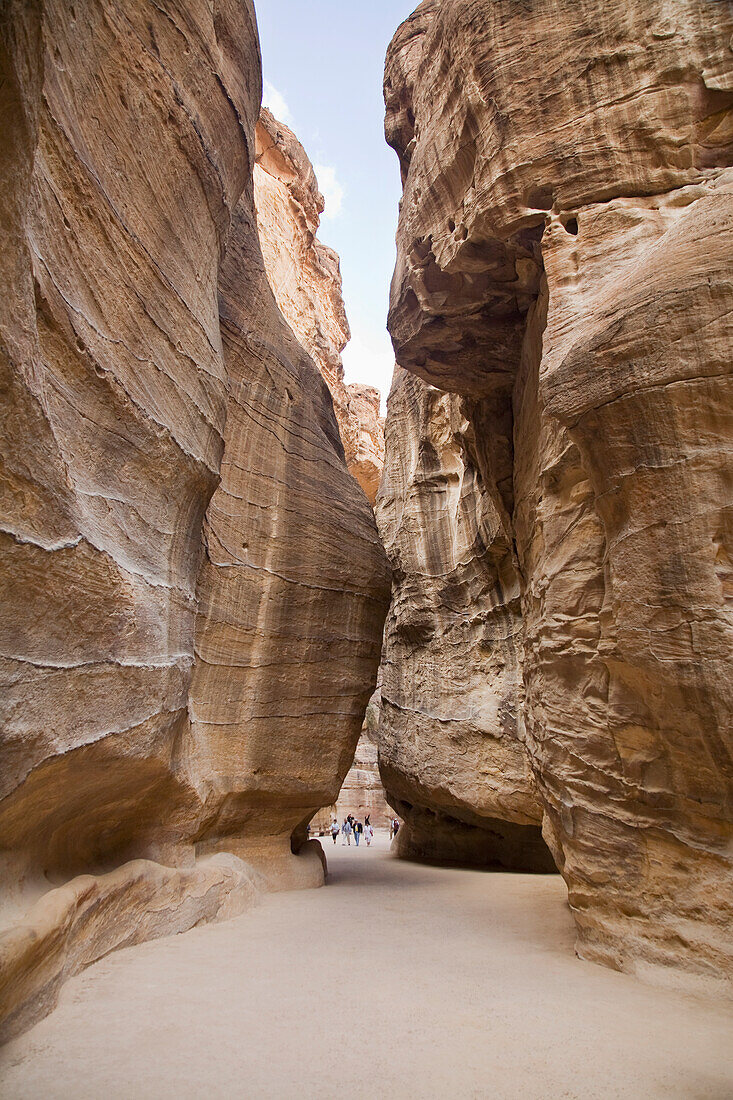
353	827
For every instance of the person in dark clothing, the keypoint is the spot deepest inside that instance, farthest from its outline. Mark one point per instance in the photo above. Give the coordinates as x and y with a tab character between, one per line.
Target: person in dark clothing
358	830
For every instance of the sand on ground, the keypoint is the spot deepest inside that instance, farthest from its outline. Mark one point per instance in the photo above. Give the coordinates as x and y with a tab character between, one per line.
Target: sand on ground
395	981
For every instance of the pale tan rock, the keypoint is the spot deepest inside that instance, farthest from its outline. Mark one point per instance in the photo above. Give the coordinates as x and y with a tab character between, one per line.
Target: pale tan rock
306	280
564	263
114	415
362	793
363	435
450	755
292	590
128	223
303	272
89	916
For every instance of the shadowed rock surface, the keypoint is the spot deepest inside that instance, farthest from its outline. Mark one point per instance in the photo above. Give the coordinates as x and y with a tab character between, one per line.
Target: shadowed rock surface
191	582
292	589
306	281
563	270
449	749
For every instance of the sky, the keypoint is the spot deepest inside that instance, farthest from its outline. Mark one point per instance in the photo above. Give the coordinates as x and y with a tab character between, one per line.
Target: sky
323	63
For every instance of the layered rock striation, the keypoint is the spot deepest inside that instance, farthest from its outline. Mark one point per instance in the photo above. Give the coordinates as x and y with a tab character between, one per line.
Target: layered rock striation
292	589
192	585
563	271
450	755
306	280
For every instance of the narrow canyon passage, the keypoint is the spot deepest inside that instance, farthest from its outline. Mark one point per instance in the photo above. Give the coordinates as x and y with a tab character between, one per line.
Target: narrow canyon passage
239	601
395	980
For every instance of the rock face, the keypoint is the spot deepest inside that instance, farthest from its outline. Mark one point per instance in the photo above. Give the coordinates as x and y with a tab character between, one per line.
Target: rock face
191	582
362	792
292	589
306	280
563	271
450	755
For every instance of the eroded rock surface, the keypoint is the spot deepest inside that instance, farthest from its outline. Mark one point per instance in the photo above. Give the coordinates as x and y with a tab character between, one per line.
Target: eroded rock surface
167	654
564	266
450	755
306	280
292	590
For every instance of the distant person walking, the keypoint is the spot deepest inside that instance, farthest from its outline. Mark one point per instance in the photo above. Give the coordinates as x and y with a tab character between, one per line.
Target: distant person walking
358	830
346	830
396	826
335	830
368	832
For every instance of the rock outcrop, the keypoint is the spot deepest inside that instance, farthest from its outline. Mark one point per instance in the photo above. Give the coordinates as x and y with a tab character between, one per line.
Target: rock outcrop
306	280
192	585
450	754
563	271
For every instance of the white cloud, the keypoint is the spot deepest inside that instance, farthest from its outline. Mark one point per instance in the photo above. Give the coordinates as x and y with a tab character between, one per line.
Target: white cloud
331	190
369	359
276	102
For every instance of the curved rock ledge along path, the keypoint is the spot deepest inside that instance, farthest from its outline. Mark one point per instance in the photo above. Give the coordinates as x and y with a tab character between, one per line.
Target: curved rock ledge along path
396	980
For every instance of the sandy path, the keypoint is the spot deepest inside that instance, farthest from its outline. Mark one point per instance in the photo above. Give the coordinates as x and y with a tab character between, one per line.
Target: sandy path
395	981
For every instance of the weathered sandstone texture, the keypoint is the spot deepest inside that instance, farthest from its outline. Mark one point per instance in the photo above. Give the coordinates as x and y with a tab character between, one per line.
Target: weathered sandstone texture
192	585
306	280
564	271
450	755
362	792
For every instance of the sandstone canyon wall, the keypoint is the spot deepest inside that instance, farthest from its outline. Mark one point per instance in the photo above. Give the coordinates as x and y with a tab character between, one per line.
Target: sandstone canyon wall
306	280
193	588
563	272
450	754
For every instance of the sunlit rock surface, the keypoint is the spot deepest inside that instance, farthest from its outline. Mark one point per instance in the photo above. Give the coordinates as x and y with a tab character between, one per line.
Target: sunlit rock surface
563	264
306	280
179	669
